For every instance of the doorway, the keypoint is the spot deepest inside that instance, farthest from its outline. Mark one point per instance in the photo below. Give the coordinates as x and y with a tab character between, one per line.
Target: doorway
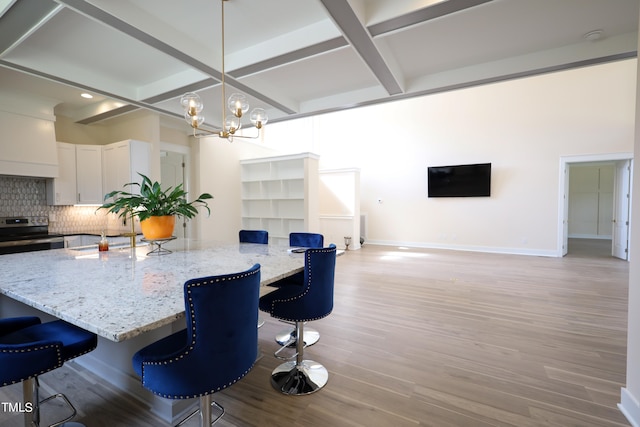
596	205
173	172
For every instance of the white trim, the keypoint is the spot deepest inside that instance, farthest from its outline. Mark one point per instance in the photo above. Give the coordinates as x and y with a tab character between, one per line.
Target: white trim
485	249
629	407
185	150
564	161
590	236
345	170
279	158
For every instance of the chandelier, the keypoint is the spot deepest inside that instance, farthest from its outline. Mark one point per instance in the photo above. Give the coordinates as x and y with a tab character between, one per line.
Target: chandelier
237	104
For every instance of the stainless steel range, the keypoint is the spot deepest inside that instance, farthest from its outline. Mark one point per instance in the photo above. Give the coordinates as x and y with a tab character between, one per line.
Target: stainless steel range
26	234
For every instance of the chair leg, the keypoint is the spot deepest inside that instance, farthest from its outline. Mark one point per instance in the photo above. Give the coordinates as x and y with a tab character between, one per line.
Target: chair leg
205	412
288	337
302	376
31	394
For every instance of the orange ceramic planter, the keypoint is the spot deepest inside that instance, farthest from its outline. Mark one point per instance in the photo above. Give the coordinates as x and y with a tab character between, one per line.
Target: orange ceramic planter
158	227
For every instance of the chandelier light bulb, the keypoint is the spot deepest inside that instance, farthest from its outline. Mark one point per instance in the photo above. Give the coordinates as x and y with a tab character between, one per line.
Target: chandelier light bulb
259	117
238	104
191	103
194	120
232	124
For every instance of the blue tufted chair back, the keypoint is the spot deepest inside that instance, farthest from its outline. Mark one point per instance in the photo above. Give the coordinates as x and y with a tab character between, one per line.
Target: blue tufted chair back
220	345
254	236
306	240
313	300
29	348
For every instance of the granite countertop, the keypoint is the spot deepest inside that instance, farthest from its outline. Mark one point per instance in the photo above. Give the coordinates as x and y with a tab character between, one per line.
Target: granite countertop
122	293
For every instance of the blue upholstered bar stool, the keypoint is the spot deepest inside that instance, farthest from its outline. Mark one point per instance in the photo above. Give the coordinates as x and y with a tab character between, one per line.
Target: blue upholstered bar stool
306	240
299	304
254	236
29	348
287	337
218	347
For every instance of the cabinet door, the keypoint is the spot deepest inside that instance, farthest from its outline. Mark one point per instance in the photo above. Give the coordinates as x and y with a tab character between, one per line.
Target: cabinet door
122	162
62	190
116	167
89	174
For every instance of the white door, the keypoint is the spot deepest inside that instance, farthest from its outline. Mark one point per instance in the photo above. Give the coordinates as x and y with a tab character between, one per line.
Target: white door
171	175
565	219
622	193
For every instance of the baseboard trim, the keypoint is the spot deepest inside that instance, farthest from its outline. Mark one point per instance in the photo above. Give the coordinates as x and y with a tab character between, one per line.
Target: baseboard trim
590	236
629	407
487	249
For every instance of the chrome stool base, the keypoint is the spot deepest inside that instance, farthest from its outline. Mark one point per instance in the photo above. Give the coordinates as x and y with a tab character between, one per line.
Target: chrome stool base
301	378
31	393
287	337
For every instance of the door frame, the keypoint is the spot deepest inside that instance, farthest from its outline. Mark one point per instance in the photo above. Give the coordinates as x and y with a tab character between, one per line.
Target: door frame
186	152
565	161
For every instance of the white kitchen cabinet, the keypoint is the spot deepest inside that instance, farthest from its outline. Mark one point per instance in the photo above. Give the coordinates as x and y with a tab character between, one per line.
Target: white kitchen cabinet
62	190
123	162
89	174
79	178
280	195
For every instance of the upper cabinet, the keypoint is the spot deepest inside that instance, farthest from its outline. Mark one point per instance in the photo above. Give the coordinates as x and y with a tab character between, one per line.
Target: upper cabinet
123	162
89	174
63	190
79	179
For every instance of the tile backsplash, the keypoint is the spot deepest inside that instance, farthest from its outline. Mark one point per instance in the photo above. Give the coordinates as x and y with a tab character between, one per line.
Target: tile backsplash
20	196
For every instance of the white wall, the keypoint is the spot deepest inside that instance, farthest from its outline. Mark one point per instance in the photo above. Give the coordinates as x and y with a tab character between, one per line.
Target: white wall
522	127
219	174
630	399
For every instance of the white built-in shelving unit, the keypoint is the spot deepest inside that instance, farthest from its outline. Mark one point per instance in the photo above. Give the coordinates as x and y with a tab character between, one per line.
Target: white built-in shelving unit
280	195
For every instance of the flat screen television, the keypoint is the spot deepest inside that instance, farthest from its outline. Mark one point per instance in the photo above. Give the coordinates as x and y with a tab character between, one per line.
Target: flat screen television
459	180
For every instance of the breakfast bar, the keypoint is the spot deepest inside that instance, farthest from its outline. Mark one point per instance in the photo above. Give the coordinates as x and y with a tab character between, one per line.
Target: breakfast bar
129	297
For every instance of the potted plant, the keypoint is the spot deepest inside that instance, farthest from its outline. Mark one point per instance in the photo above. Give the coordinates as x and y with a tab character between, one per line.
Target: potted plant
155	208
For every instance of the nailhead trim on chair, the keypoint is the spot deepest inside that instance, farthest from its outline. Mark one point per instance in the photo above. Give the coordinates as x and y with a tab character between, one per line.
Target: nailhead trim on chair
193	342
309	319
45	347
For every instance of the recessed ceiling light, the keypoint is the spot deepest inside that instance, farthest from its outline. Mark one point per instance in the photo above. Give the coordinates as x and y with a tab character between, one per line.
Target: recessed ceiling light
86	95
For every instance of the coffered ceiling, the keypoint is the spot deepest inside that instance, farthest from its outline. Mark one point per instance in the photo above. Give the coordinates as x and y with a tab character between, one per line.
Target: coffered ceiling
293	58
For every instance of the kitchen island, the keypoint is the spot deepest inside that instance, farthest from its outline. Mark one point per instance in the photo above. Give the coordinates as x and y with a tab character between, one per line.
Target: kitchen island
128	297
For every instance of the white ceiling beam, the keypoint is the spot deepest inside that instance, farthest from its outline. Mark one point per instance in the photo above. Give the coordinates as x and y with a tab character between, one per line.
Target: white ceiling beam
424	14
358	36
22	19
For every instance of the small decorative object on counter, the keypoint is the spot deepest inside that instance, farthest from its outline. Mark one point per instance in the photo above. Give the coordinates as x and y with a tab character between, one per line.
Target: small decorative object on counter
347	242
103	245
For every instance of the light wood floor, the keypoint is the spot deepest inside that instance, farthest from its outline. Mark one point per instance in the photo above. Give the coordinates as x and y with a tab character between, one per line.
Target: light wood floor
432	338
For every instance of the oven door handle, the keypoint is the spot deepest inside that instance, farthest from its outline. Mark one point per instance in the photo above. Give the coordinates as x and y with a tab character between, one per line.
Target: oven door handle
31	242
